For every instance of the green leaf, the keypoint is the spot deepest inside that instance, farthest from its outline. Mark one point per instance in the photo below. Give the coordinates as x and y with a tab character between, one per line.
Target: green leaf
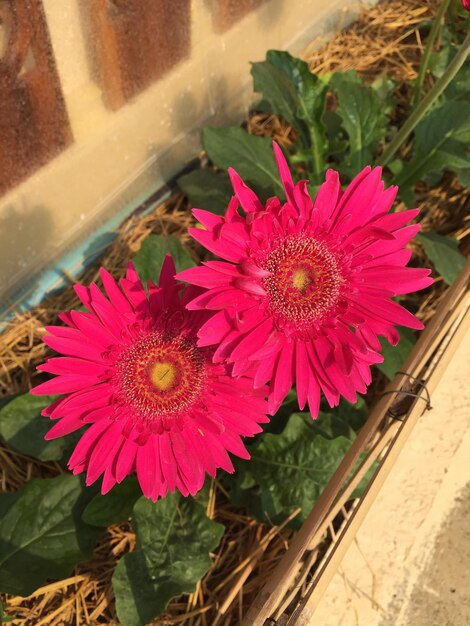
444	254
459	88
330	426
440	143
207	189
148	260
363	117
252	157
22	427
355	415
279	92
463	177
395	356
174	540
291	469
291	90
115	506
42	534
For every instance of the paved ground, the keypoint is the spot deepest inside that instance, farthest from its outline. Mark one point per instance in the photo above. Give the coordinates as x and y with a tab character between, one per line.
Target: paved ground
410	563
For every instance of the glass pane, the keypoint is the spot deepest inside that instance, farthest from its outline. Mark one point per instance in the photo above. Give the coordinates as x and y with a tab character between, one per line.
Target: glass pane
101	102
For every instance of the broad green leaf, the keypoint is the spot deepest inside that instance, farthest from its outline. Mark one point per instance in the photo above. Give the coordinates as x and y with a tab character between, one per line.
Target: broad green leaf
395	356
174	540
279	92
463	177
148	260
363	117
23	428
459	88
330	426
252	157
207	189
443	252
440	143
291	469
115	506
291	90
42	534
355	415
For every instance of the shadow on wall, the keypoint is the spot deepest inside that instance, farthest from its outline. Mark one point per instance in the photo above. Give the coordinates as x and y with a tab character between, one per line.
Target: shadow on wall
30	230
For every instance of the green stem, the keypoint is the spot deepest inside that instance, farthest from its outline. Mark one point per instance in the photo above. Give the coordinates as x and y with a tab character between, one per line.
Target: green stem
423	68
318	161
422	108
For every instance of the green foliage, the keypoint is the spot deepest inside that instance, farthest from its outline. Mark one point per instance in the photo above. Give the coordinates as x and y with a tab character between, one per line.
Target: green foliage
207	189
42	534
361	109
114	507
22	427
394	356
290	469
148	260
174	540
251	156
440	143
355	415
443	252
290	90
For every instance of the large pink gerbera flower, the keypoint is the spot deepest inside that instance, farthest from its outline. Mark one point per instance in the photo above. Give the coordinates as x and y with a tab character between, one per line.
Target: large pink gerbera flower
155	403
308	284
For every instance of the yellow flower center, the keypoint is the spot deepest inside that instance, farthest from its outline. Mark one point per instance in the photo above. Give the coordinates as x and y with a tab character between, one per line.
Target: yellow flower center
301	279
163	375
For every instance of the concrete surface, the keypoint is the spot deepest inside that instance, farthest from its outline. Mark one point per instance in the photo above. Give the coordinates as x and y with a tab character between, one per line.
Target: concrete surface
410	563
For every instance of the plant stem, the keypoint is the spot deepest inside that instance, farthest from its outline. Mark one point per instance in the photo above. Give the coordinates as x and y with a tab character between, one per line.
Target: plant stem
421	109
428	50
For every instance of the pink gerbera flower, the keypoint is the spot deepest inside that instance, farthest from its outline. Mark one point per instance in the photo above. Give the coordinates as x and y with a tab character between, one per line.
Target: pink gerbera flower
155	403
308	284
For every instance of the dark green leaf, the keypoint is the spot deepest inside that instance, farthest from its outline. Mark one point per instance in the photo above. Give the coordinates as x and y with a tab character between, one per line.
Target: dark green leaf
355	415
440	143
207	189
42	534
148	260
291	90
363	117
114	507
23	428
444	254
291	469
459	88
463	177
279	93
252	157
330	426
394	356
174	540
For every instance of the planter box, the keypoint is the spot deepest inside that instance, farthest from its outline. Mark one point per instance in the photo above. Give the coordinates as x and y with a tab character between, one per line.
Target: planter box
291	595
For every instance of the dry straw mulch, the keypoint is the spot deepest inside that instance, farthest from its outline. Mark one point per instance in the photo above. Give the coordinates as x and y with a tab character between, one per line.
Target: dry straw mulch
384	39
